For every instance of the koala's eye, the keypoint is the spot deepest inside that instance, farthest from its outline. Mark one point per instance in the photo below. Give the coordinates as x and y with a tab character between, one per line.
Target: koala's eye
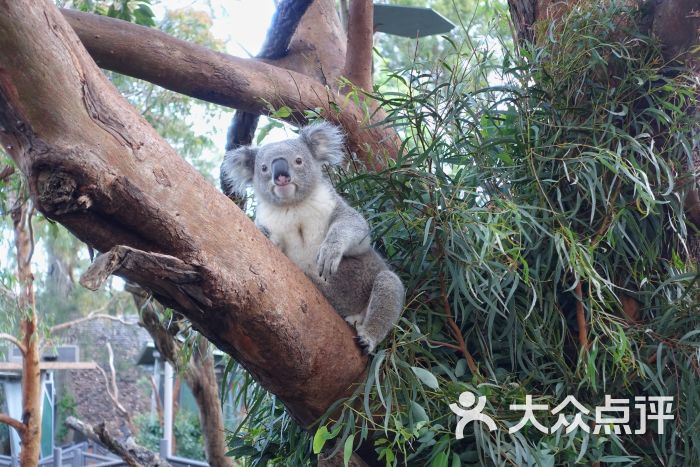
264	168
298	161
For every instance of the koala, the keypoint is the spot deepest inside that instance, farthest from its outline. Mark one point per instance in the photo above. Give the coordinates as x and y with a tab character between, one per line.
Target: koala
301	213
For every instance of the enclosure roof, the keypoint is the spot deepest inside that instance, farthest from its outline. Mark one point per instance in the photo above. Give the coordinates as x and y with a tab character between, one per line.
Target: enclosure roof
409	21
148	355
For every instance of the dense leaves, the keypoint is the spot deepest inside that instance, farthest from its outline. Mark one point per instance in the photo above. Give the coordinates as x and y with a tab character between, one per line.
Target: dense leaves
135	11
536	217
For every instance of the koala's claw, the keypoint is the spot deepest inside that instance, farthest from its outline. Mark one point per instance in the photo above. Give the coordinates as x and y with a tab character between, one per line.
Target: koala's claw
365	343
265	231
354	320
328	260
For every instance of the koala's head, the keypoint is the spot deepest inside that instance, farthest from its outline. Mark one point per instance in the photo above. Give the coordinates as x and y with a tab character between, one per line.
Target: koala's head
286	172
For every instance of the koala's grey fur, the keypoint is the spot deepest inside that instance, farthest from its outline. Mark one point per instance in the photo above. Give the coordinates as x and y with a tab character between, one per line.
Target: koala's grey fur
298	209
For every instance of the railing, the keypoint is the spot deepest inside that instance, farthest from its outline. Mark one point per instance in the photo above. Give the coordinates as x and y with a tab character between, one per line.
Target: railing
91	454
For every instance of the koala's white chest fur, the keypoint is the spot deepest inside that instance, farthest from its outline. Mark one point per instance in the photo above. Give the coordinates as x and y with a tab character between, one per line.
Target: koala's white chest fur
299	230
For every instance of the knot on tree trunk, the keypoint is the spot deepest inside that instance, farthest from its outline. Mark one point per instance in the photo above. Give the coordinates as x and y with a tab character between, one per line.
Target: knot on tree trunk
58	192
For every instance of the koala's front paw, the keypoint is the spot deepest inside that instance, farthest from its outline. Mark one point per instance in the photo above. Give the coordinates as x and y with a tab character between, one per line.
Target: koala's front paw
329	256
354	320
365	342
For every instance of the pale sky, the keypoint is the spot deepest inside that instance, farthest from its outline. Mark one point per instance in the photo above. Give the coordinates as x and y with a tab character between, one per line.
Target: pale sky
242	24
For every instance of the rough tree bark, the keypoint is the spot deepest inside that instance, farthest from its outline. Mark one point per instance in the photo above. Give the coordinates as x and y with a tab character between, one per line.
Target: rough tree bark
94	165
674	22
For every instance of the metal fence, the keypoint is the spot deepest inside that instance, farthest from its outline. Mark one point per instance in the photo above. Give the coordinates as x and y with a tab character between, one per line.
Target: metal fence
92	454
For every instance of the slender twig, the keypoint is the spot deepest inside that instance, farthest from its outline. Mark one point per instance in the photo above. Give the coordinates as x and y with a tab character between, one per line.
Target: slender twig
13	422
581	318
14	340
111	384
113	371
159	407
445	344
90	317
6	172
456	331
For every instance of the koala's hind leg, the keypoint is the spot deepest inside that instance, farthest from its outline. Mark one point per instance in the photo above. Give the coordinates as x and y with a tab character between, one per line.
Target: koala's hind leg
383	310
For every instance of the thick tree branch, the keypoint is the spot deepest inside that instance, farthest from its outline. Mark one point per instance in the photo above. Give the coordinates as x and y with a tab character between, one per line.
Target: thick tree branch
112	388
15	341
358	60
131	453
243	84
14	423
305	37
94	165
282	27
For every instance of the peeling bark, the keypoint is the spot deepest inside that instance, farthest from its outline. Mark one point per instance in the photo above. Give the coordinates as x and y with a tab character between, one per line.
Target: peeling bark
30	434
94	165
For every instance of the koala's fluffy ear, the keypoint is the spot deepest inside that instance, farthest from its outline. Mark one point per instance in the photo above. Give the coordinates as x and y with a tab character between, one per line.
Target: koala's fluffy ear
325	141
237	170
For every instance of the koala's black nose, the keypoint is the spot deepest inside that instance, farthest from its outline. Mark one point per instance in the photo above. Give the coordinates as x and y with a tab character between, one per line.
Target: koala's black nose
280	172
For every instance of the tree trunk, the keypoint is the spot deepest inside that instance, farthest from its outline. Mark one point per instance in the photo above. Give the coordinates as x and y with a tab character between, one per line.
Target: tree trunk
358	61
94	165
199	373
31	374
201	378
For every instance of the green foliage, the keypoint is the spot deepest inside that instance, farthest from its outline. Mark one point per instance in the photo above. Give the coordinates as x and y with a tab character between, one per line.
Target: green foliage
133	11
186	431
65	408
474	21
553	179
266	435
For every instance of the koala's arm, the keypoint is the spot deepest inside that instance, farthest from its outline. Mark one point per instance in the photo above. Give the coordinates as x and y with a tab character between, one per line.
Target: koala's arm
348	235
